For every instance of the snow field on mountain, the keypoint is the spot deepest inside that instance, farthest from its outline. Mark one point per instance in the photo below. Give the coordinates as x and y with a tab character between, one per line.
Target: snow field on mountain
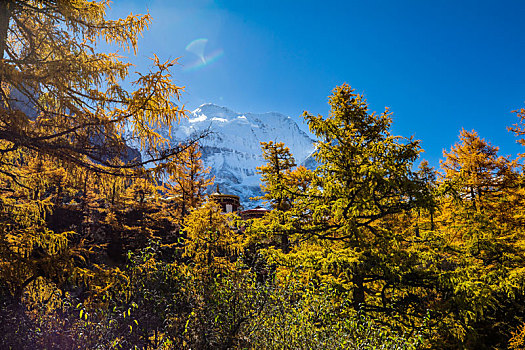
233	152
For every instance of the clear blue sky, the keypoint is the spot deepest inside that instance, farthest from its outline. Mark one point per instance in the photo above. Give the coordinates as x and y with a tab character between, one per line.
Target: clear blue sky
439	65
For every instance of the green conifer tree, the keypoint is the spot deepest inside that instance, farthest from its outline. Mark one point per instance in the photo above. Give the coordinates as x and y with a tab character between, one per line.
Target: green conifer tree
343	220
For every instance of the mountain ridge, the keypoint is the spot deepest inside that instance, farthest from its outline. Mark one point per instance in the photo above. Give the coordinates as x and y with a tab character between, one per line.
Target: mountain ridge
232	150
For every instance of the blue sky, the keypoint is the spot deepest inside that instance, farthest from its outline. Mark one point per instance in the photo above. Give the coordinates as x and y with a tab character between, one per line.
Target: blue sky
439	65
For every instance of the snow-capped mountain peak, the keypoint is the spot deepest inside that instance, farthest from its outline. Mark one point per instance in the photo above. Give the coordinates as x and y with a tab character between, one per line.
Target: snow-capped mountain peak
233	151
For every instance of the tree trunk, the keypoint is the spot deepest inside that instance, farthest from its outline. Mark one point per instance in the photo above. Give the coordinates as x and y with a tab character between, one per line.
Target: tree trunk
285	243
20	289
5	16
359	291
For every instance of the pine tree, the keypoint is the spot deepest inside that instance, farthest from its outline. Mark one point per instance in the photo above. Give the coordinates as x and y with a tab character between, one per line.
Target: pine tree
474	167
187	180
275	177
274	173
65	122
481	254
63	98
343	220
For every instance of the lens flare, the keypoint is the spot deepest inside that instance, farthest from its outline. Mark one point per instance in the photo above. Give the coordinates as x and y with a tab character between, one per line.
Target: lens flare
198	48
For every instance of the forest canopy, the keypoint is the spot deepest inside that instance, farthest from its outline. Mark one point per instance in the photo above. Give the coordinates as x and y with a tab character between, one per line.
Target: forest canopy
64	99
103	247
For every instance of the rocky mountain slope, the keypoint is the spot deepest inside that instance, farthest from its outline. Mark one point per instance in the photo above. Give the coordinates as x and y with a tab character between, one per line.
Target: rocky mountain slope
233	152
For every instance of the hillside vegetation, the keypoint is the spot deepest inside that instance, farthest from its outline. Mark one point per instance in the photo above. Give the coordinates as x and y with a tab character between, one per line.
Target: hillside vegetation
102	250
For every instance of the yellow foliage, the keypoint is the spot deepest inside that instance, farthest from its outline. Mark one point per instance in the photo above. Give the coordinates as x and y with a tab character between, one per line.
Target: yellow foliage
211	239
517	342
